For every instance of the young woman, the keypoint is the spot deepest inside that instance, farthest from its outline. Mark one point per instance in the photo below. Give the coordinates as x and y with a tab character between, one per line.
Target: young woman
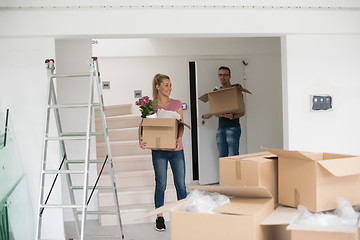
161	93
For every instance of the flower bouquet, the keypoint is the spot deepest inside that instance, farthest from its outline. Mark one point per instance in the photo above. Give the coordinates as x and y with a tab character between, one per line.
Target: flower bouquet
147	106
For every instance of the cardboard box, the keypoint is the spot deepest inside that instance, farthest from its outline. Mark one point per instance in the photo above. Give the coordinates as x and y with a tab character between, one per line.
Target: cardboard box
289	230
316	180
240	219
160	133
227	100
256	169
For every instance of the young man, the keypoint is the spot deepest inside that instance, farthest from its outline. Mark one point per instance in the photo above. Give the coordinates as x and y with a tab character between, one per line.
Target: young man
229	130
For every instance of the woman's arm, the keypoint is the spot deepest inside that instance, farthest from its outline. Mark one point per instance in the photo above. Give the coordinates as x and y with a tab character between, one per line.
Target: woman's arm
180	129
142	144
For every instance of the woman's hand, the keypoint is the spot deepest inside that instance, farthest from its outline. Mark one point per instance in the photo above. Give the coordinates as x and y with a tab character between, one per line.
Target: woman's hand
178	143
142	144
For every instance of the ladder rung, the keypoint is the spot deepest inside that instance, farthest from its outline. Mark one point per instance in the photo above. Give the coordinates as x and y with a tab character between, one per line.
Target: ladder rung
98	212
70	75
59	206
82	161
63	171
78	105
68	105
91	187
67	138
104	236
81	134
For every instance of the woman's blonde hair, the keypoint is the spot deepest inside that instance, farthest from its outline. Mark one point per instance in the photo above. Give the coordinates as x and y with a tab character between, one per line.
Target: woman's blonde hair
158	79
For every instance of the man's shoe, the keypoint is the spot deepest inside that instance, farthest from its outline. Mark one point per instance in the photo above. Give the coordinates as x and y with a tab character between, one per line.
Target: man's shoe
160	224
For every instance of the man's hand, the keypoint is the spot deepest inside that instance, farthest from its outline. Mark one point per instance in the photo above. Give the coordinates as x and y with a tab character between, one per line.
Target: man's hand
206	116
227	115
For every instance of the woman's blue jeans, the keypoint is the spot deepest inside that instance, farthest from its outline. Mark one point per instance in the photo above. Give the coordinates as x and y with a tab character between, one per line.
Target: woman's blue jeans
228	140
160	161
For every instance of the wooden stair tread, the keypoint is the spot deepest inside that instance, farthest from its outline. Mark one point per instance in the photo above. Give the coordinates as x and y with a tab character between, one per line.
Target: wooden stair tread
129	190
134	173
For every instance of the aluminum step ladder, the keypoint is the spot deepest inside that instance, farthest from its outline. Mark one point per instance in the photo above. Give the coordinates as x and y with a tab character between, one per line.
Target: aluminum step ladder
79	207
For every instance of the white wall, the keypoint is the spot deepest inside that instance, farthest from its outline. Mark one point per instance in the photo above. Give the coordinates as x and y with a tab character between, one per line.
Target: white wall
324	64
23	88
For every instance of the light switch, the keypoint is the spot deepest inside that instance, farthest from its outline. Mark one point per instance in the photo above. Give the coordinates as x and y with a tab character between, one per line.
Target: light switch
106	84
137	93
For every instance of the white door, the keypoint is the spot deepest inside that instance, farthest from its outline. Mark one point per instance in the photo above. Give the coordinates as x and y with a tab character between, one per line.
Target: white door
206	77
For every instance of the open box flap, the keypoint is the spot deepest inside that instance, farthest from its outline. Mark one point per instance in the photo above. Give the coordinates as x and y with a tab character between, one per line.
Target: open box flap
265	158
256	156
235	191
342	166
244	206
154	122
161	122
166	208
281	216
289	154
181	122
339	229
204	98
244	90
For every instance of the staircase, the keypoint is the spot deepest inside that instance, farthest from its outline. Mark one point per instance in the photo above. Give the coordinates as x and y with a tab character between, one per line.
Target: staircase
134	173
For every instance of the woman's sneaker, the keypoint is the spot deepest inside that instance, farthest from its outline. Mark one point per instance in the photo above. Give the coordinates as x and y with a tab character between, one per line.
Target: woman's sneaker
160	224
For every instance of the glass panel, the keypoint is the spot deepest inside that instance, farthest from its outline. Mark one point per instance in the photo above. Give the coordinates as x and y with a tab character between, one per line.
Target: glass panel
4	226
16	211
20	213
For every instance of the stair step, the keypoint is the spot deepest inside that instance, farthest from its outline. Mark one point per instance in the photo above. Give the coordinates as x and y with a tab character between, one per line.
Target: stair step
133	179
130	163
115	110
131	214
124	134
122	148
139	195
117	122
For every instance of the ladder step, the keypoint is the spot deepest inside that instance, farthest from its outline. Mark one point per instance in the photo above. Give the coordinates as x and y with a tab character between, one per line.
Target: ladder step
82	161
66	138
81	134
70	75
59	206
98	212
91	187
104	236
79	105
63	171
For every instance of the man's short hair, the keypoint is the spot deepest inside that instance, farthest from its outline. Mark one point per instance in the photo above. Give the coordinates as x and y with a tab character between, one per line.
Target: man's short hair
225	68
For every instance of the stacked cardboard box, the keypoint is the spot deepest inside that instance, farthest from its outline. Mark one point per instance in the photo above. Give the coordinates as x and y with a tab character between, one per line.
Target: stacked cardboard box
255	169
315	180
251	183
